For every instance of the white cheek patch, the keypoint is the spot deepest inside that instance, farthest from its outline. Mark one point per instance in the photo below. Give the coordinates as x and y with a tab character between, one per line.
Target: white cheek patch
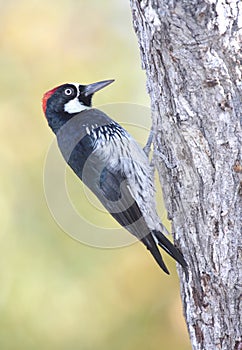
74	106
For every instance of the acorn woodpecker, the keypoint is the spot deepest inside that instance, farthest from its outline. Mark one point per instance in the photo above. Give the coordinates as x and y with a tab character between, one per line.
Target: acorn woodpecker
110	162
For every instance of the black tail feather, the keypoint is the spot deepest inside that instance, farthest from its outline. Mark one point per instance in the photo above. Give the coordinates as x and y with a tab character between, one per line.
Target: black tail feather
152	247
170	248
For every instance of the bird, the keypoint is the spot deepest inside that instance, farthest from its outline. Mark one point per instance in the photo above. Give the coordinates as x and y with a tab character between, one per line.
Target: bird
109	162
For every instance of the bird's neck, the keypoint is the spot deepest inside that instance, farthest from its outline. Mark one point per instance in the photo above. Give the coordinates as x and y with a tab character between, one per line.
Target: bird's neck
57	120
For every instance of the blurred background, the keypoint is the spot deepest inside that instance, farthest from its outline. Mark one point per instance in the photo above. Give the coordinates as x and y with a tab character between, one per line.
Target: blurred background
56	293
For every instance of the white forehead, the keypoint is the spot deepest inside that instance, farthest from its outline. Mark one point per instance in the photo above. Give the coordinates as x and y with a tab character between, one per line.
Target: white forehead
77	87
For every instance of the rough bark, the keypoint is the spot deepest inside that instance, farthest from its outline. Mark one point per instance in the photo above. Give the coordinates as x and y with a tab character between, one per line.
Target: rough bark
191	51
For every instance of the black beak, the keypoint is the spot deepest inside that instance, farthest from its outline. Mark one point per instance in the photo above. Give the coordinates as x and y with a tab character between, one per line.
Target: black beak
91	88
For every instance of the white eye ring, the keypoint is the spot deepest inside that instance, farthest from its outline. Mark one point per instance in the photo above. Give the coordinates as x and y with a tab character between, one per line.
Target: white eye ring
68	91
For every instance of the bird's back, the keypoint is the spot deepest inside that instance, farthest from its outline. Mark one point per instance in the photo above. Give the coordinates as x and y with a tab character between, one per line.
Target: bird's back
110	162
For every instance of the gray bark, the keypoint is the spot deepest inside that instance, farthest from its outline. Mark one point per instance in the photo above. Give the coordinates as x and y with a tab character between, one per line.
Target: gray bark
191	51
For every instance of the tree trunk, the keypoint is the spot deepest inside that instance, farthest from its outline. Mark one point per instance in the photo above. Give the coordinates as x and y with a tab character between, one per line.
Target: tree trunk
191	51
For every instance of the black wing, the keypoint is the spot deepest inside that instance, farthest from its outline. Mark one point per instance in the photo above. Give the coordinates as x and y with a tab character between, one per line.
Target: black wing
117	198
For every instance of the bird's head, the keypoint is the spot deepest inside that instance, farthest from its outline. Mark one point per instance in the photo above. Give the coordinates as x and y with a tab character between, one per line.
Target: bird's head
65	101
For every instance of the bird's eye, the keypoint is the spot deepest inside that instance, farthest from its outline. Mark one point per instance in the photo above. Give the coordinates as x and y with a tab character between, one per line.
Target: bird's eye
68	91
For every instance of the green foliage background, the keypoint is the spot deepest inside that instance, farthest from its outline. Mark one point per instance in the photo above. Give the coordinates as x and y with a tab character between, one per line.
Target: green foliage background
56	293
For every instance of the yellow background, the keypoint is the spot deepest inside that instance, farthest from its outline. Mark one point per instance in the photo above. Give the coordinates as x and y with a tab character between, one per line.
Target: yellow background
56	293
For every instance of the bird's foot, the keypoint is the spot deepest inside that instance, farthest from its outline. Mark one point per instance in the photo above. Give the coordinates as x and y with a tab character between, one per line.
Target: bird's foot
169	164
158	153
149	143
